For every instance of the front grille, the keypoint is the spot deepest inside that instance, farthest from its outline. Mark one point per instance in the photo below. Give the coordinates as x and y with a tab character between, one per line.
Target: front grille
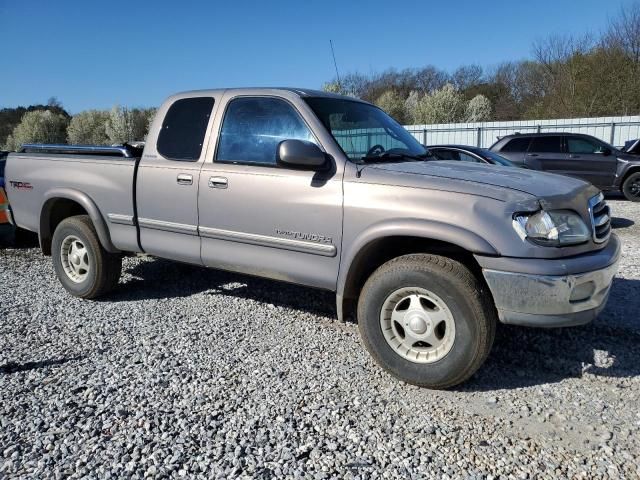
600	218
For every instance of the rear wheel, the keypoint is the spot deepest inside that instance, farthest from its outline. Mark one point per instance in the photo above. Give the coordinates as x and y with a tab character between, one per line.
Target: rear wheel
426	320
84	268
631	187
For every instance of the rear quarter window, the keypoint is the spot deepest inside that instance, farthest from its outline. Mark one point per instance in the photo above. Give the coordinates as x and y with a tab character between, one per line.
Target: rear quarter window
516	145
183	129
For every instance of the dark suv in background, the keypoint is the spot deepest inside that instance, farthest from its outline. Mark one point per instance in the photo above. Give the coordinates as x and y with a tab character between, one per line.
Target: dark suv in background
576	155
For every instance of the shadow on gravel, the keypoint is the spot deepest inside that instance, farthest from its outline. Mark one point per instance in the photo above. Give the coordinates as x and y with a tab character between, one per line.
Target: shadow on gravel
10	238
520	357
614	196
13	367
608	347
619	222
157	279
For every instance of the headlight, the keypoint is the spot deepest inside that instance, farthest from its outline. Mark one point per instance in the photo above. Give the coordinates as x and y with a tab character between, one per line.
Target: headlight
552	229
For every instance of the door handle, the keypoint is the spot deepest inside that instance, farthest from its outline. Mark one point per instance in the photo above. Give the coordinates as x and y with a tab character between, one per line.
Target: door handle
218	182
532	155
574	156
185	179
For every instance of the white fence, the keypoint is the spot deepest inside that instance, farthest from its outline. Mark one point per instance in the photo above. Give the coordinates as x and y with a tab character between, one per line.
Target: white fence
614	130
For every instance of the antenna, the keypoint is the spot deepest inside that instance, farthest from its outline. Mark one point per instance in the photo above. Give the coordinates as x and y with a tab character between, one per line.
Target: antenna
335	64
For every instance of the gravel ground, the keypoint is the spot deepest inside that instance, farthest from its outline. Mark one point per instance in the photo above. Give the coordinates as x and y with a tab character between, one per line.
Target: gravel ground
191	372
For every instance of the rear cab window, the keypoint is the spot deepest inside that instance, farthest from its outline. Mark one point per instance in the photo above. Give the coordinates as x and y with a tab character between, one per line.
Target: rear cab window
183	129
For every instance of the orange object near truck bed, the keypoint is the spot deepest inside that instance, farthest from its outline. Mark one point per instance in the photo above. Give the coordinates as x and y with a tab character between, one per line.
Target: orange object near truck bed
4	207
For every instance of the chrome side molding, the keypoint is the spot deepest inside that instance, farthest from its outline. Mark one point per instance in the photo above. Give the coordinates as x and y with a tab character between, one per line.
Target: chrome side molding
267	241
168	226
120	219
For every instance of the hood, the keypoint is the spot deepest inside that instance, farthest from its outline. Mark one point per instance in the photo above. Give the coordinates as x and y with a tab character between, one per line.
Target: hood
523	187
633	156
631	146
532	182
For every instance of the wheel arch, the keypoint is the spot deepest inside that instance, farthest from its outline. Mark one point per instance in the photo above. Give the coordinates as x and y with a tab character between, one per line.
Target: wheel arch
63	203
628	172
384	242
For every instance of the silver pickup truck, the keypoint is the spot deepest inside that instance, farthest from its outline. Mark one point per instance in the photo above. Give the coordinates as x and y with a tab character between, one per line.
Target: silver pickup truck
330	192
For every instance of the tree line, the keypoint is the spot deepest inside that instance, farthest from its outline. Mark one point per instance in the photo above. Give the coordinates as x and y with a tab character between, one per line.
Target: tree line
568	76
52	124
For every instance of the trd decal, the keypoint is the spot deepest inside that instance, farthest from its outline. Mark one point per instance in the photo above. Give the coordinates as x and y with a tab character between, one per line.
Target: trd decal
21	185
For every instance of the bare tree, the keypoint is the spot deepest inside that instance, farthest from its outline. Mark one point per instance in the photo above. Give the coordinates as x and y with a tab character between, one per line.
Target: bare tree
467	76
560	58
623	31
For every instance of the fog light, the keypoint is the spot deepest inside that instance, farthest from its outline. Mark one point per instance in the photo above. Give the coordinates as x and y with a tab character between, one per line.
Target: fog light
582	292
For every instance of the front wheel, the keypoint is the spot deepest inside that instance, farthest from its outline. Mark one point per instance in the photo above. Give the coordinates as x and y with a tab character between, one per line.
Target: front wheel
83	266
427	320
631	187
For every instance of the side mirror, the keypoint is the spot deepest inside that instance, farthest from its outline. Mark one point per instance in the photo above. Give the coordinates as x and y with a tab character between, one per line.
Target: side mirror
606	151
300	154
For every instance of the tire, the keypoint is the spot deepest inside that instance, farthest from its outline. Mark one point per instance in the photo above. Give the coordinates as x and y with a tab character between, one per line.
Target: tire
631	187
84	268
451	296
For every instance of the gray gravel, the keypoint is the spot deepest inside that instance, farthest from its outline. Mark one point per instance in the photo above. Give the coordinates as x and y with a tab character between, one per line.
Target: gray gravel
191	372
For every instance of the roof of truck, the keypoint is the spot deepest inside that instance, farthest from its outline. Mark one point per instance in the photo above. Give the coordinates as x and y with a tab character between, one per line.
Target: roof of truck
544	134
301	92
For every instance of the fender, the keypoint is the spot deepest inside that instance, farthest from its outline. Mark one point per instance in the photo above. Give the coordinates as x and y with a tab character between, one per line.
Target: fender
625	167
429	230
86	203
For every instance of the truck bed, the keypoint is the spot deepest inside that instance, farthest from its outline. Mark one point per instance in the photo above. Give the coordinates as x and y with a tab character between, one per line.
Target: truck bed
40	173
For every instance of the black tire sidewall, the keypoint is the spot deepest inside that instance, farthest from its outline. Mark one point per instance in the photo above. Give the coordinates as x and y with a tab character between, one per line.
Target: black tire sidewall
89	284
464	350
626	185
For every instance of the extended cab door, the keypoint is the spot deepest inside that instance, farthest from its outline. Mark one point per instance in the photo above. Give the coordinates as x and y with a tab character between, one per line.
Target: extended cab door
260	218
167	182
591	160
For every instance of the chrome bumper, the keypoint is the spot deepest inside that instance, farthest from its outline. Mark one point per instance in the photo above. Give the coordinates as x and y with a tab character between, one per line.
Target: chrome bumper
551	300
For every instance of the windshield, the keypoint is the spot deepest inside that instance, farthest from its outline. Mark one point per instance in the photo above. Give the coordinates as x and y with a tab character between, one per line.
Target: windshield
363	130
495	158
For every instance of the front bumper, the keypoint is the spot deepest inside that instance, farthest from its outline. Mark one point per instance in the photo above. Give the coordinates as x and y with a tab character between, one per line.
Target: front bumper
574	297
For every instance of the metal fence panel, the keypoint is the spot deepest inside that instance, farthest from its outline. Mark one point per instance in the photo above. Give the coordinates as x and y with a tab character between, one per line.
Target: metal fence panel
614	130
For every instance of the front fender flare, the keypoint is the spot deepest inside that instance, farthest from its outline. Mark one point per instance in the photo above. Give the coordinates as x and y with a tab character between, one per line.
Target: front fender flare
426	229
90	207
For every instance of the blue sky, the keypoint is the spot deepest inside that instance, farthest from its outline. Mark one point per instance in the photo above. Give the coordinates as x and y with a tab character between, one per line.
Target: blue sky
93	54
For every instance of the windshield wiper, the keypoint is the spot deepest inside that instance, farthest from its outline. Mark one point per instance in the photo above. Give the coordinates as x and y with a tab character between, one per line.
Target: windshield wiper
392	156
